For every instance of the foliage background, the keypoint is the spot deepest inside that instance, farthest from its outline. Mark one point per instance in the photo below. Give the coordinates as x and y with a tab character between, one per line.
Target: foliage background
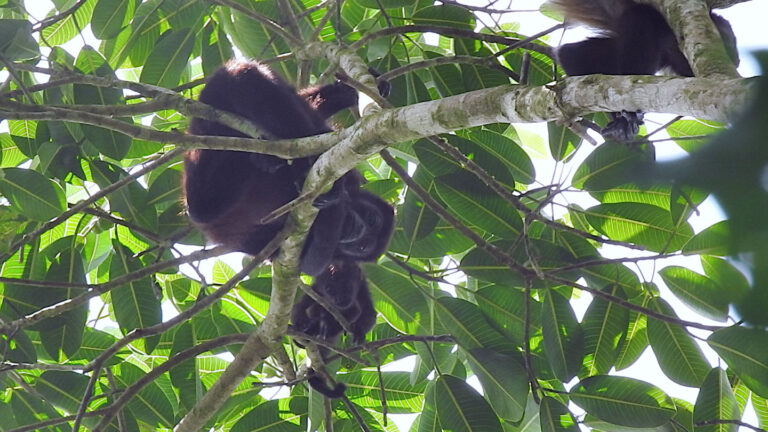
485	261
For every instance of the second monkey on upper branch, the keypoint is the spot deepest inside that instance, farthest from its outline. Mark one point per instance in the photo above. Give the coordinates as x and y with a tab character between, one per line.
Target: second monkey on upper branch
634	39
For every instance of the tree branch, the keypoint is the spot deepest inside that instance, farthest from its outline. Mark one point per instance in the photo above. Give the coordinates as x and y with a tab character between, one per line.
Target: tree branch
697	36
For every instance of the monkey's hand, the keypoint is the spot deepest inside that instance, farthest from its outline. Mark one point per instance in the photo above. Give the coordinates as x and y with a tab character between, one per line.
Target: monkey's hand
624	126
383	85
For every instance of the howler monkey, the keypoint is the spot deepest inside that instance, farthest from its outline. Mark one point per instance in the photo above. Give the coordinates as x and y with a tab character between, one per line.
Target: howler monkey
635	40
228	193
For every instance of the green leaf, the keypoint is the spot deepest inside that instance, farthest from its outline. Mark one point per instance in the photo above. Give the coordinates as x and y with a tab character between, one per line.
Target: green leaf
108	17
562	141
732	282
266	417
32	194
506	151
107	141
60	32
23	133
185	376
396	298
387	4
461	409
129	201
138	39
641	224
416	218
504	381
428	421
476	203
16	41
364	387
63	389
634	342
563	336
760	405
700	129
169	58
623	401
714	240
698	292
216	49
135	303
505	309
151	405
445	16
716	402
745	350
678	354
165	187
555	417
464	321
183	13
604	324
608	166
67	333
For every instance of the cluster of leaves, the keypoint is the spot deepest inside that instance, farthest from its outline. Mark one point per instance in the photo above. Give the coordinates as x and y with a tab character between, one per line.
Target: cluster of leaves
90	213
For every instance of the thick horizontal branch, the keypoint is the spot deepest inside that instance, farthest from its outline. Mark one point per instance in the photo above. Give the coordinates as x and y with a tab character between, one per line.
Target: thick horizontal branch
711	99
698	37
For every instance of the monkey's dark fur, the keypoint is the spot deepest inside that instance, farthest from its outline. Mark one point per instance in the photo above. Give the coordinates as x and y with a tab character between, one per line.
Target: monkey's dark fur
228	193
635	40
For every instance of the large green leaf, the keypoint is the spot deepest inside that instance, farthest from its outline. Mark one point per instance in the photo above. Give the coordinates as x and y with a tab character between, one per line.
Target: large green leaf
169	58
464	321
623	401
474	202
713	240
16	41
634	341
445	16
505	308
63	389
745	350
107	141
678	354
555	417
506	151
461	409
642	224
415	217
604	325
428	421
109	16
397	299
151	405
364	387
504	381
562	141
698	292
135	303
716	402
66	333
563	336
266	417
32	194
608	166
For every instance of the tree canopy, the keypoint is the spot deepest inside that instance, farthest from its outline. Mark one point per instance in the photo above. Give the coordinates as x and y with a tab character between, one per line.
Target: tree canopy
540	286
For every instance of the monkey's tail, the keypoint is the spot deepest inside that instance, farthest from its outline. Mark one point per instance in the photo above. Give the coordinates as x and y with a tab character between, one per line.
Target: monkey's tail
598	14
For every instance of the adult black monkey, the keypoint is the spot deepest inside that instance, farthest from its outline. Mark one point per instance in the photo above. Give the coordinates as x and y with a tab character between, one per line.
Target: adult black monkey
636	40
228	193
